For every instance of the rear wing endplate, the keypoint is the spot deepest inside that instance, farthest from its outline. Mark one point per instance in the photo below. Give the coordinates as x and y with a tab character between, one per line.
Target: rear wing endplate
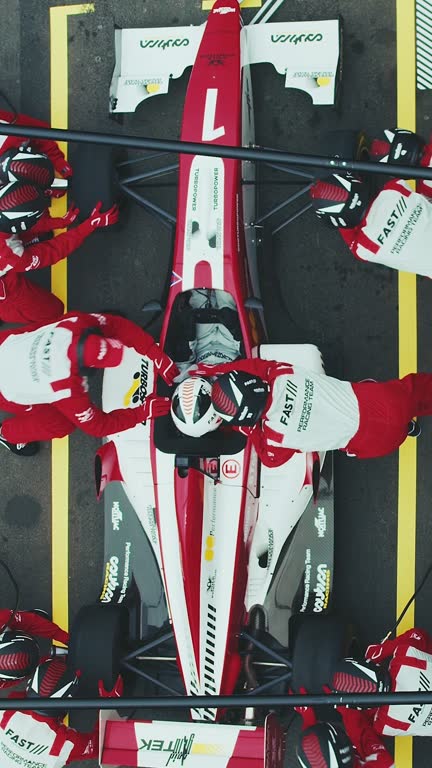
306	52
146	60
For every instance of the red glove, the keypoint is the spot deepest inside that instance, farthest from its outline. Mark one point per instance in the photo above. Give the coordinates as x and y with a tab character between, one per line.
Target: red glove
71	215
99	219
116	691
154	406
165	367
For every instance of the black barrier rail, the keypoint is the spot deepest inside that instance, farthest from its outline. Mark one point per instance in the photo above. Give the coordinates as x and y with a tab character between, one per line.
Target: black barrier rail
256	154
194	702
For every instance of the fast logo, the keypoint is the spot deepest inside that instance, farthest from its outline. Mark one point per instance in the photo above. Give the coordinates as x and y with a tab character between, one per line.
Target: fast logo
392	220
290	397
30	746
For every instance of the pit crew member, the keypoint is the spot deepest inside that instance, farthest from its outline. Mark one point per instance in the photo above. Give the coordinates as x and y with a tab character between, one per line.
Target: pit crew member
349	743
400	664
39	737
23	218
285	409
46	146
19	650
392	227
43	378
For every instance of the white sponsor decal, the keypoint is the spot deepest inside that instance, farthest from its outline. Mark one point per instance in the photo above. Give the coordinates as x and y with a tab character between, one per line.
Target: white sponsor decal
34	263
320	522
116	516
85	416
210	132
224	10
128	547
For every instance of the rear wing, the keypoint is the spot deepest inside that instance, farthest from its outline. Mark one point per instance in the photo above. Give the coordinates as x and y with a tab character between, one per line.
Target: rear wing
159	743
307	53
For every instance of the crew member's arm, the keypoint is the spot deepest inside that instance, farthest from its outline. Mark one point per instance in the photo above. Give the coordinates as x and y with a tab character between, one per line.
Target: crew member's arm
265	369
367	743
131	335
412	637
14	255
270	455
84	414
48	223
37	625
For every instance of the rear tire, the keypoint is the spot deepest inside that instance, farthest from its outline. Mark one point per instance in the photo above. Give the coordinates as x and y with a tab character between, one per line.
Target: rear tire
317	643
98	641
350	144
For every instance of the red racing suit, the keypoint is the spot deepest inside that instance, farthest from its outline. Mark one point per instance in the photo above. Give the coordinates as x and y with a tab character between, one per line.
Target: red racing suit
48	147
397	226
409	659
309	411
33	624
30	739
23	301
41	383
367	746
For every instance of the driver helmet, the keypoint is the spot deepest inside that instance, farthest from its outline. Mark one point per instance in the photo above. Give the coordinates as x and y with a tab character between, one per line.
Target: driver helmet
341	199
192	410
19	655
52	679
240	398
398	147
21	205
26	164
352	676
325	744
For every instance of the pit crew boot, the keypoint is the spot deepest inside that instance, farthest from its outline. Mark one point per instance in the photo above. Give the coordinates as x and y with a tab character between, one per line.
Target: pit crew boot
20	449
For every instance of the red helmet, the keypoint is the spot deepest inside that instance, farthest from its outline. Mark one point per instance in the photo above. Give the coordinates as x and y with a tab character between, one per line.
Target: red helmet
52	679
341	199
240	398
352	676
326	745
21	205
25	164
19	655
398	147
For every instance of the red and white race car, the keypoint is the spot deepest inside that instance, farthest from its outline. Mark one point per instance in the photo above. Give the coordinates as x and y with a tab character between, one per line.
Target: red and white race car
239	547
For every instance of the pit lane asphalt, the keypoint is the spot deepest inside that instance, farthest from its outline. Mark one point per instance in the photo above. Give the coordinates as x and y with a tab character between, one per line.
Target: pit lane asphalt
349	309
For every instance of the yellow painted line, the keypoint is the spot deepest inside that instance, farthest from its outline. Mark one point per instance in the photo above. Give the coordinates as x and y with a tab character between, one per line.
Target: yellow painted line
207	5
407	286
59	82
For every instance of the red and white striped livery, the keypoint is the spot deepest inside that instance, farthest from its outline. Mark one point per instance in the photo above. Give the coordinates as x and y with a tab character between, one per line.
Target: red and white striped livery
216	534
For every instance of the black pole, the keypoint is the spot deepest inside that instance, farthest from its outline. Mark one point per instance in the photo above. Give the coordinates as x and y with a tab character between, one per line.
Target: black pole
193	702
218	150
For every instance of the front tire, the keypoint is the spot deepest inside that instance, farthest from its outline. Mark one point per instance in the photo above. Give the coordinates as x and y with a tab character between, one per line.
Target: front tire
98	641
317	643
